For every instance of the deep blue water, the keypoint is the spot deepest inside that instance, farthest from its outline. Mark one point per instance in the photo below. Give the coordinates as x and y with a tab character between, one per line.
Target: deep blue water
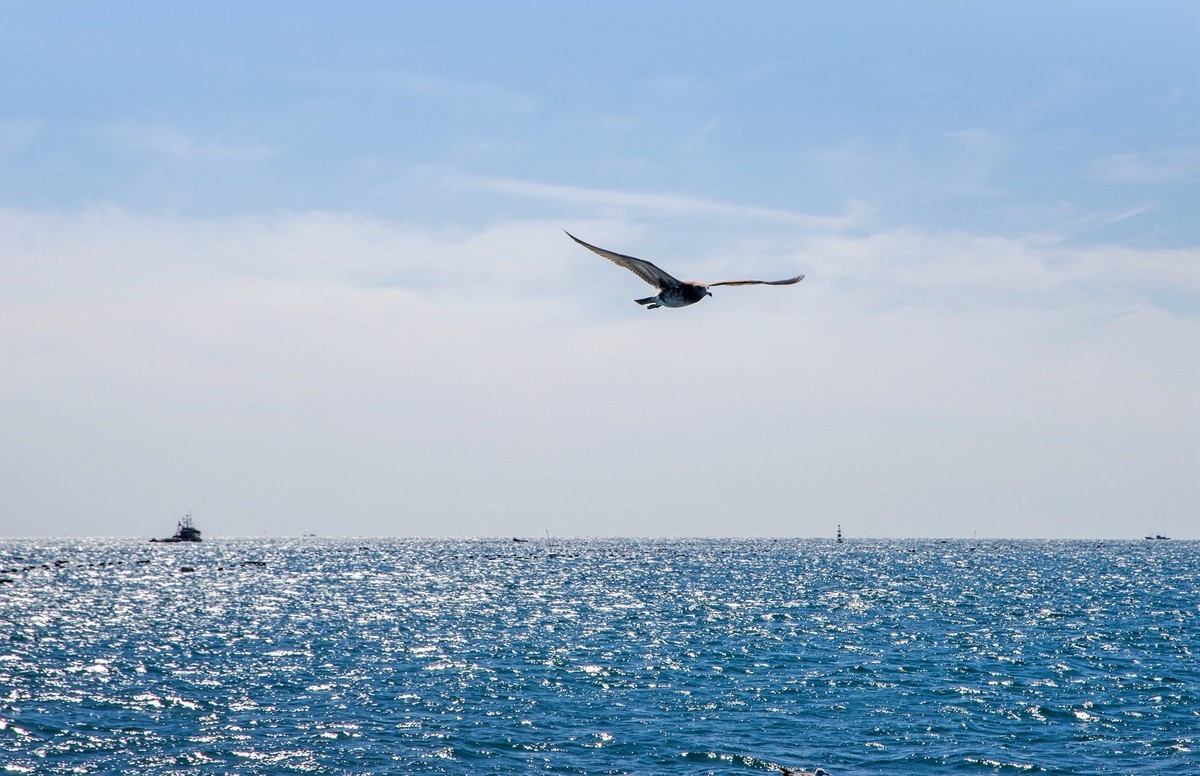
599	656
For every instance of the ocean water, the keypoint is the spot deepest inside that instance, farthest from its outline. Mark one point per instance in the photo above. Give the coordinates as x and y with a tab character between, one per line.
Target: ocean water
599	657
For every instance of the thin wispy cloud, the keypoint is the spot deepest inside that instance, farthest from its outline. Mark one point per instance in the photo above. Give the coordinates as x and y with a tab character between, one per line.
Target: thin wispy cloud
973	157
173	141
476	94
854	215
1100	219
1066	86
1173	165
722	80
16	132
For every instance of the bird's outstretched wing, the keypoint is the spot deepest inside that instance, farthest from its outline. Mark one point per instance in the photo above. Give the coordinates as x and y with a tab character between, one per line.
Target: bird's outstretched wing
643	269
787	282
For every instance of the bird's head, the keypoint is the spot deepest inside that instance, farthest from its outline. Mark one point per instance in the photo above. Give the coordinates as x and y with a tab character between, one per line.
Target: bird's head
706	291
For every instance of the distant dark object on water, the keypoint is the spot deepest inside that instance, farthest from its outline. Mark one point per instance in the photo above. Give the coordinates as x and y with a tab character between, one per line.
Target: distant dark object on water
187	569
184	531
520	541
817	772
1157	536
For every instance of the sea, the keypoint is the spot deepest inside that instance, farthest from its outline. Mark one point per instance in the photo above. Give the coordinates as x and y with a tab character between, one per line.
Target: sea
599	656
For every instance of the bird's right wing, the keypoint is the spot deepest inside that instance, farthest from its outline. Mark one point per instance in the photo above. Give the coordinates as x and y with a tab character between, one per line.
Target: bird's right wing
787	282
640	267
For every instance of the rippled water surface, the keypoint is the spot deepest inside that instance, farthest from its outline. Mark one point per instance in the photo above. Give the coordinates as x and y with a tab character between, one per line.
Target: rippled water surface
598	657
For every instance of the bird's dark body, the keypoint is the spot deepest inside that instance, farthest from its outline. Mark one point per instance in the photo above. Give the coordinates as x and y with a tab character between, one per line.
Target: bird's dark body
676	296
672	292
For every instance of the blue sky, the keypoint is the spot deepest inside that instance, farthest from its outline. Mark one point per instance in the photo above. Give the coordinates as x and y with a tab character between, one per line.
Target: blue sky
299	268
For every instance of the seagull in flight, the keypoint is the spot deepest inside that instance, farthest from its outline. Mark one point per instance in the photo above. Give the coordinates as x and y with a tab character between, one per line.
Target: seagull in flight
671	291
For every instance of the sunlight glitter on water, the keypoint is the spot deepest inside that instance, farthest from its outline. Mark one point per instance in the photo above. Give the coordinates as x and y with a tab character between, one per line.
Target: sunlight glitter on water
307	656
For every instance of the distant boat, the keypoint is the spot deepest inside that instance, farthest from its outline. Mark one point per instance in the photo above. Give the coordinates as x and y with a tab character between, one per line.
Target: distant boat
839	534
184	531
1157	536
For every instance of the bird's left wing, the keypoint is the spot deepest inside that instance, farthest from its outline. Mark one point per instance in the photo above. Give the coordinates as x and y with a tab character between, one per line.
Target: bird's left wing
640	267
787	282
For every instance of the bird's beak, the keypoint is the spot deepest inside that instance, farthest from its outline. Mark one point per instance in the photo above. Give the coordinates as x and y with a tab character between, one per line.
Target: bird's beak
708	292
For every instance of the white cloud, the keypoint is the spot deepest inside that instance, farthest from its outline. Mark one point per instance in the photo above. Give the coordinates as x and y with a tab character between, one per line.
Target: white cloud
299	366
964	269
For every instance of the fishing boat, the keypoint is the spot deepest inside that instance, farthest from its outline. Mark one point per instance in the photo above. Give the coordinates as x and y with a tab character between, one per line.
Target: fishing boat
185	531
839	533
1157	536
